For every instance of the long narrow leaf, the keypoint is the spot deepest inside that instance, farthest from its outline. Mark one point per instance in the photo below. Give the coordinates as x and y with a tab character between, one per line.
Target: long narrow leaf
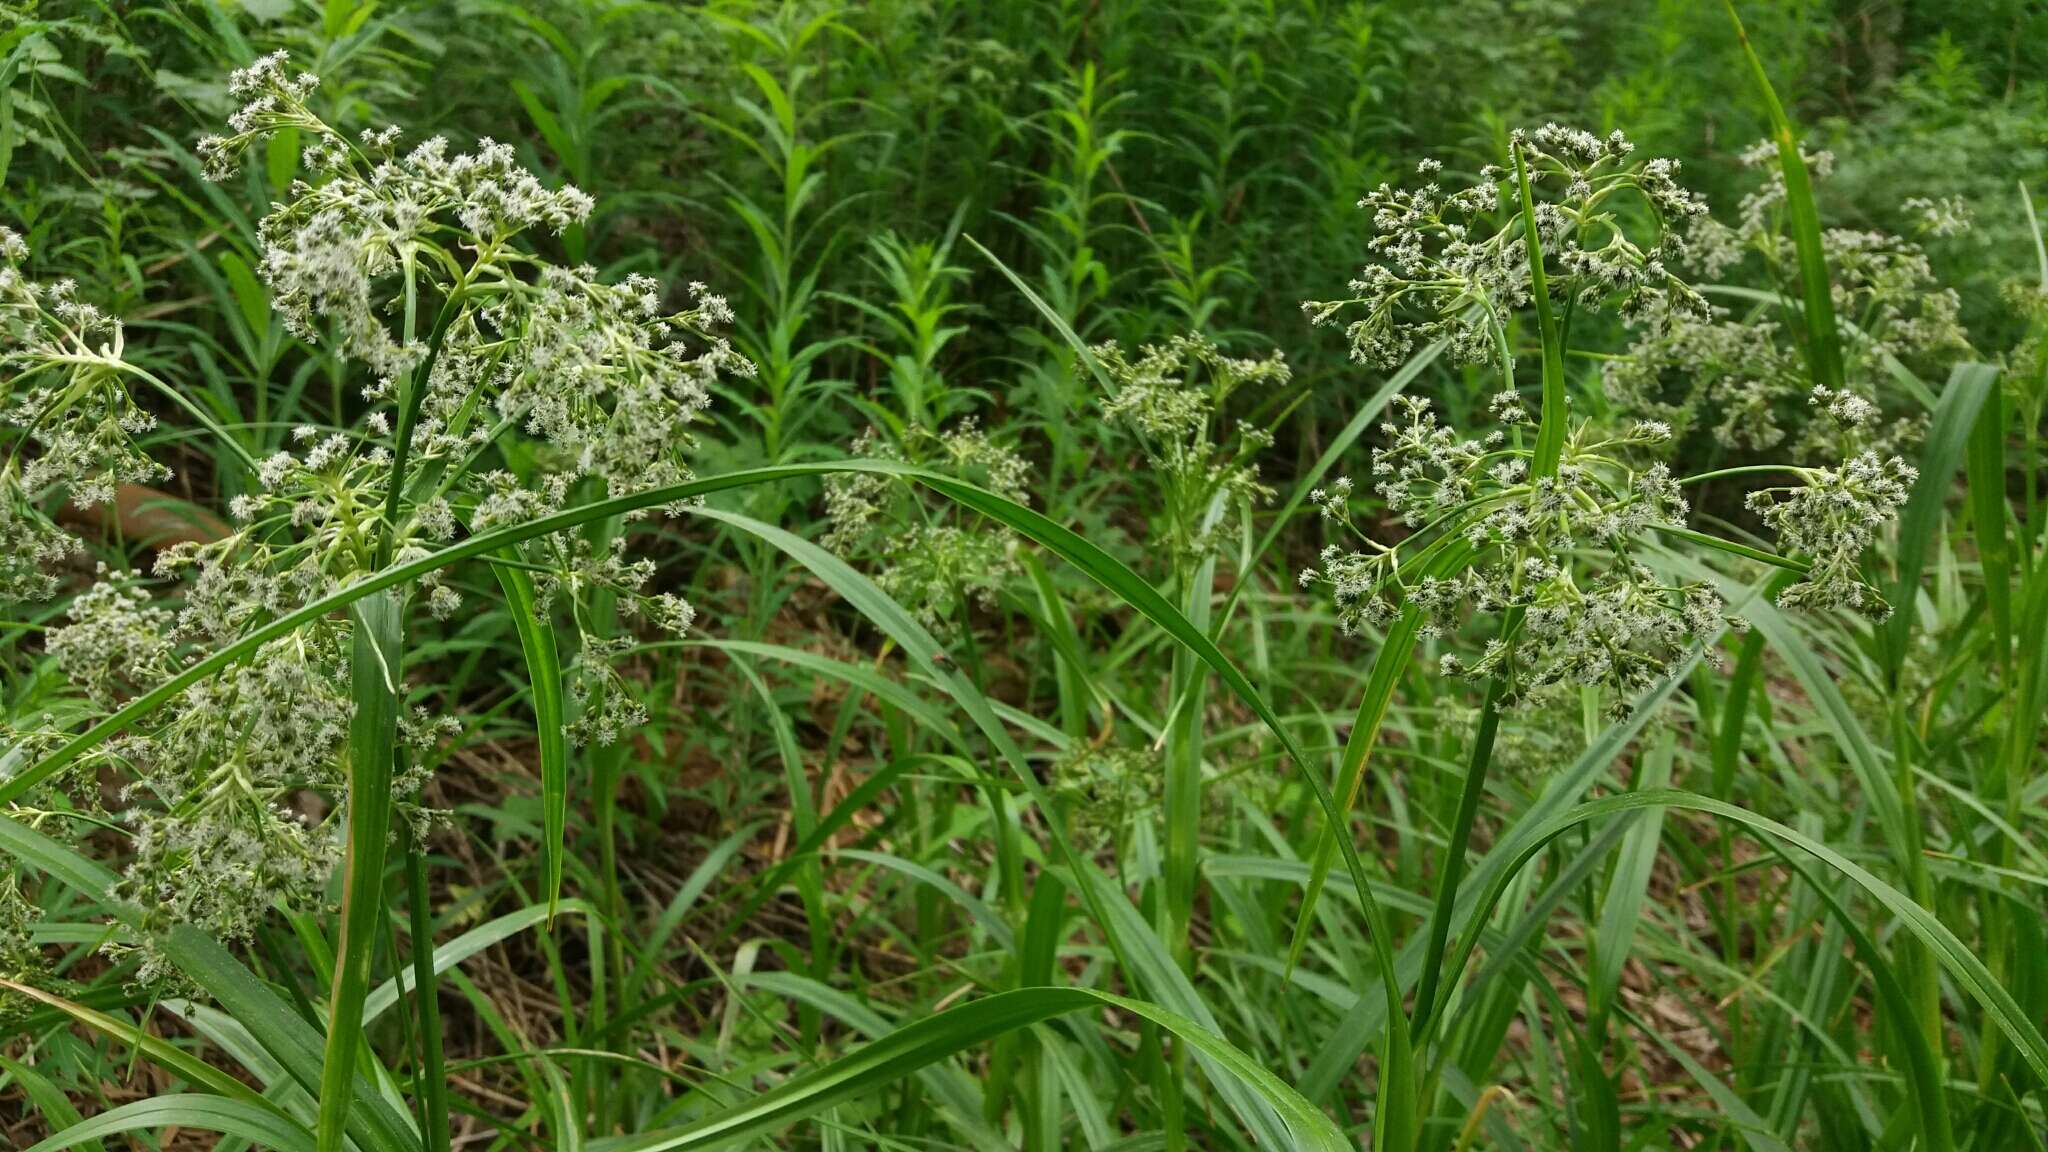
544	674
262	1127
372	740
1823	337
934	1038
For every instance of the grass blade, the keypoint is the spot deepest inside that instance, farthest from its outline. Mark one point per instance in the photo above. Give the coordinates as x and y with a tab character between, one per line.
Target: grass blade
264	1127
1984	467
1823	337
1627	889
1052	317
281	1032
45	1097
544	673
1551	425
934	1038
1969	386
1138	949
455	951
1923	1069
1118	579
372	738
1388	666
1968	972
162	1052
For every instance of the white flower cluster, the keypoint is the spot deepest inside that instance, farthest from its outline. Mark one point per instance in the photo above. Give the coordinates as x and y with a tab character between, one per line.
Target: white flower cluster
329	249
1742	375
602	373
31	547
213	784
605	706
1560	551
1453	265
221	868
603	376
1173	397
21	959
1836	515
62	389
1730	376
1941	216
421	268
273	100
118	639
611	382
931	556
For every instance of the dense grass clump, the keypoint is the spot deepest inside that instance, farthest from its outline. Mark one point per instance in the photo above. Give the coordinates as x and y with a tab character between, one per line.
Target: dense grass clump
1130	575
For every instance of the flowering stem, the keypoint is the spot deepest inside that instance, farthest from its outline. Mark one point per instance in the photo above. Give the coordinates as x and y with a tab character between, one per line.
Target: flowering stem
408	413
372	736
1454	861
1744	470
1790	564
1550	436
182	401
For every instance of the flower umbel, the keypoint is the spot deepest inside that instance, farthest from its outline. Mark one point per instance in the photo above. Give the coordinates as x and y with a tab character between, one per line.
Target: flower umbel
1740	373
1836	515
1563	555
1451	265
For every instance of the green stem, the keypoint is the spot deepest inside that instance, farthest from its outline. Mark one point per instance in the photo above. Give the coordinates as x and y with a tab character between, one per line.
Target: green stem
1454	860
1787	563
193	410
605	773
1744	470
1922	977
408	414
433	1087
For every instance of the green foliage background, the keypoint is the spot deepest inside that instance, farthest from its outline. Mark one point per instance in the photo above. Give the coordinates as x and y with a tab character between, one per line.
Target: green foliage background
808	849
